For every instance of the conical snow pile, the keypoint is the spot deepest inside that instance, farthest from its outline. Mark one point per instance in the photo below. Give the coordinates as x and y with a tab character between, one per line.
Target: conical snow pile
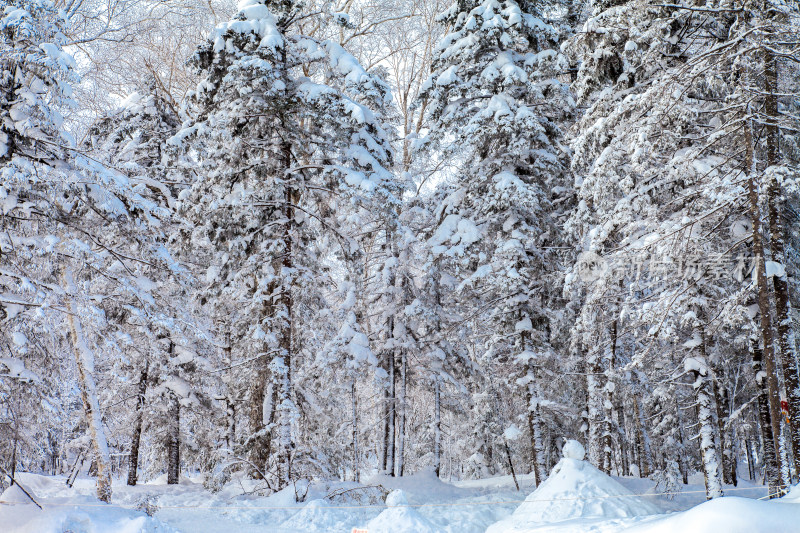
575	490
399	517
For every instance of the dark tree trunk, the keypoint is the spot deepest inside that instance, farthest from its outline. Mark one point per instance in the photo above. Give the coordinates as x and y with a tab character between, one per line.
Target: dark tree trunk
751	471
437	426
623	438
260	406
230	411
401	436
763	296
771	469
136	437
230	402
385	440
283	378
174	447
682	463
356	474
534	413
780	283
510	464
390	420
608	403
642	439
392	411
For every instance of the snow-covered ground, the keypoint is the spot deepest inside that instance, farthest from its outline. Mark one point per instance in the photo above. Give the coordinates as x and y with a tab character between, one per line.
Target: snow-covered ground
576	498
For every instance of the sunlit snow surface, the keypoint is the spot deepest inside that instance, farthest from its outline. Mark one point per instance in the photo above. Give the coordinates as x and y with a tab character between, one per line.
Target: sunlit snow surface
417	503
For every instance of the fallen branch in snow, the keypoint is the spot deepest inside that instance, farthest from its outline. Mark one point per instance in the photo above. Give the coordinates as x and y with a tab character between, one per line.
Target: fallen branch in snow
702	10
18	484
340	491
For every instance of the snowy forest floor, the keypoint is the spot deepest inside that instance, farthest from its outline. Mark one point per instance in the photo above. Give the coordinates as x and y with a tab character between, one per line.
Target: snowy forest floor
465	506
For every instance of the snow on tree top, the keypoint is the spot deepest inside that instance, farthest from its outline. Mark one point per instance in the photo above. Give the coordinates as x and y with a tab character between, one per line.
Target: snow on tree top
255	18
693	364
17	369
253	9
775	269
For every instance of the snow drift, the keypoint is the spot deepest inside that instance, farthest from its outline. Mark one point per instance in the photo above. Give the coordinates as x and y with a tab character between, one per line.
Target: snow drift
77	515
399	517
731	515
575	490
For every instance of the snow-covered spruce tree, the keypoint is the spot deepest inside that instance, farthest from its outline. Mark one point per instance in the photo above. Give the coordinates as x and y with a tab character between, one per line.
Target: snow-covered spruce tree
345	364
495	107
36	81
441	370
602	55
628	197
353	329
281	122
754	121
179	422
659	156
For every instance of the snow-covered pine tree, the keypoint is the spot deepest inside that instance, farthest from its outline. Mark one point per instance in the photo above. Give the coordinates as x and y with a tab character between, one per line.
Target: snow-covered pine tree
281	122
432	318
495	108
158	351
132	138
36	81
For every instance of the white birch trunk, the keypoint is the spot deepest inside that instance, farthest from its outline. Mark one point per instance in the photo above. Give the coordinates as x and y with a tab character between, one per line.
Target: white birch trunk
595	405
697	367
91	405
708	449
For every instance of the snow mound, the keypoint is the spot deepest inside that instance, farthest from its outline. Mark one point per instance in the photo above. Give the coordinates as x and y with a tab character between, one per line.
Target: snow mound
40	485
575	490
162	480
396	498
14	494
729	514
399	517
320	516
21	517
